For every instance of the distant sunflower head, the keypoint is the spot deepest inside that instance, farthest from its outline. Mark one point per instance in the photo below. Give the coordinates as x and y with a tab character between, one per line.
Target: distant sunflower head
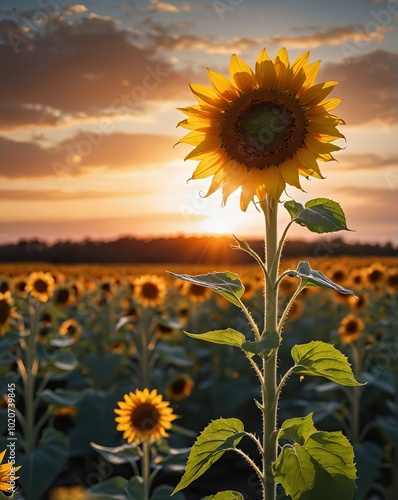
72	328
144	416
69	493
261	129
19	285
40	285
180	387
63	296
196	292
351	328
149	290
375	274
7	311
392	280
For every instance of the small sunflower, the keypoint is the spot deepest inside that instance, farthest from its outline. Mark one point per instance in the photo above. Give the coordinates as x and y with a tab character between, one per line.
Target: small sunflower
196	292
40	285
392	280
63	296
375	274
7	311
144	416
72	328
7	471
180	387
165	332
4	285
260	130
351	328
69	493
149	290
18	285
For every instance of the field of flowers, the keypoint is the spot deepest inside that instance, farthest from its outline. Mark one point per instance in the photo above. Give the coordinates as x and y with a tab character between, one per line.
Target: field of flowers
81	346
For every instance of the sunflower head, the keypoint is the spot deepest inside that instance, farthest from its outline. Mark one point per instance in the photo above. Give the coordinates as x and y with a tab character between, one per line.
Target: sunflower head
6	470
180	387
144	416
40	285
72	328
375	274
7	311
149	290
261	129
351	328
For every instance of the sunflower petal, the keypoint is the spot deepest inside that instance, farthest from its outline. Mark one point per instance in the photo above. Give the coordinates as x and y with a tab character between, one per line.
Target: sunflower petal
241	74
274	182
290	173
222	86
253	179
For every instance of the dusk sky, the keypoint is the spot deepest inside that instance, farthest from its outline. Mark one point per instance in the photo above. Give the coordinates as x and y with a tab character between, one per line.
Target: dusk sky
88	111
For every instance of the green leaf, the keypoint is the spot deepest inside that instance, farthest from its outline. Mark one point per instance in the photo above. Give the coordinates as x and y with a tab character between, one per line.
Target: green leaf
309	277
297	430
264	347
110	489
319	216
102	368
64	361
227	337
369	458
320	359
173	354
293	208
127	453
321	467
61	397
43	465
226	495
164	493
135	488
227	284
218	437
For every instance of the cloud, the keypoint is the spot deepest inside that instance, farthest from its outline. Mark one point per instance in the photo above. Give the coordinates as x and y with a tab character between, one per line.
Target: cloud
84	153
367	161
13	116
157	5
75	9
57	195
82	68
333	36
368	86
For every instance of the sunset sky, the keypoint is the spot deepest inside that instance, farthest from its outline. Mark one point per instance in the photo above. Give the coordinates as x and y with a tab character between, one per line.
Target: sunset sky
88	98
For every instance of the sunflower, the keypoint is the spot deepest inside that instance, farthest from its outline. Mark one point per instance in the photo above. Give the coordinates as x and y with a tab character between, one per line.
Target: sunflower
375	274
69	493
40	285
144	416
63	296
180	387
165	331
261	129
18	285
7	311
149	290
7	473
72	328
351	328
392	280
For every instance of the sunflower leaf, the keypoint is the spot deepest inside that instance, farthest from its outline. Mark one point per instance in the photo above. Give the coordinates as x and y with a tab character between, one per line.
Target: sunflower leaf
135	488
264	347
227	337
226	495
218	437
321	465
320	359
319	215
227	284
293	208
310	277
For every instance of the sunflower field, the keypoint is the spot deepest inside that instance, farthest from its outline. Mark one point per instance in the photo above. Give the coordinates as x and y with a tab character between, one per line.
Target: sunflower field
101	386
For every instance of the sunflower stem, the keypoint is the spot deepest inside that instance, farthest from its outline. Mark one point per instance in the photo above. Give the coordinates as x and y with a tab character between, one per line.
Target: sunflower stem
146	469
288	307
269	387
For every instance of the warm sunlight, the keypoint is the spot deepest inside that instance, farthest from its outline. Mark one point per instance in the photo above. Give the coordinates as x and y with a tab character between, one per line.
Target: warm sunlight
222	223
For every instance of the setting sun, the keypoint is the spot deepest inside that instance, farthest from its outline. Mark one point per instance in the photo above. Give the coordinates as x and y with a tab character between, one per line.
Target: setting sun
219	224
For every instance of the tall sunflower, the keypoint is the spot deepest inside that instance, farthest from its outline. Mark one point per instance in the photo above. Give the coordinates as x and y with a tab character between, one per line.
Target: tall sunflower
7	311
144	416
149	290
261	129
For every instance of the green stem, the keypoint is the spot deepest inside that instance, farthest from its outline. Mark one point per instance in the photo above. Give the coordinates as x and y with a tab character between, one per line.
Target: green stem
249	318
355	400
146	469
269	388
287	308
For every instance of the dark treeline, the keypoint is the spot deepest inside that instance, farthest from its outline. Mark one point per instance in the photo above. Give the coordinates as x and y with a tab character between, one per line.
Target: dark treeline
193	250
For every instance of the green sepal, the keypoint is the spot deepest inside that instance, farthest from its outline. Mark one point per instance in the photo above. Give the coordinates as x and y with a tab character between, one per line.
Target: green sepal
227	337
320	359
218	437
227	284
320	465
310	277
319	215
264	347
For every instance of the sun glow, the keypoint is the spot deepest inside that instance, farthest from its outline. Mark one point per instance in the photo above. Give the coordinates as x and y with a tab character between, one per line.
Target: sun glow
219	224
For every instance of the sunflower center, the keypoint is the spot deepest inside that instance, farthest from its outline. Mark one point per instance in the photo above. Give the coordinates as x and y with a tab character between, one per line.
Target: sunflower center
145	417
149	291
352	327
4	312
40	286
178	386
263	128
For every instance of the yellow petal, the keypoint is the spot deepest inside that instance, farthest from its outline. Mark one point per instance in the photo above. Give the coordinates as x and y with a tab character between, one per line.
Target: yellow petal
274	184
290	173
330	104
233	180
316	146
307	161
300	62
222	86
206	95
217	181
209	144
241	74
208	166
249	187
317	93
283	57
311	72
194	138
